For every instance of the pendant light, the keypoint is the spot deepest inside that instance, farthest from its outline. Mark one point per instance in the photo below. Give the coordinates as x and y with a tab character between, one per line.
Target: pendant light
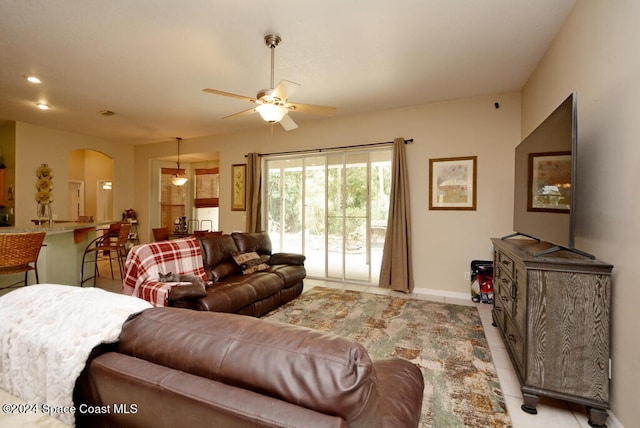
178	179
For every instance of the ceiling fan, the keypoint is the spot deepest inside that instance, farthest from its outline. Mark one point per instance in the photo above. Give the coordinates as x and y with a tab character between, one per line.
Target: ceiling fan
273	103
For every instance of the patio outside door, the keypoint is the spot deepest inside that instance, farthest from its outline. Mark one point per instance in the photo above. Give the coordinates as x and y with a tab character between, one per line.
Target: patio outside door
333	209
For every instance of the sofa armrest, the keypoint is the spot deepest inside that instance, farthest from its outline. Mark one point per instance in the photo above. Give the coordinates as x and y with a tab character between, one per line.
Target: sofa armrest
399	378
287	259
185	292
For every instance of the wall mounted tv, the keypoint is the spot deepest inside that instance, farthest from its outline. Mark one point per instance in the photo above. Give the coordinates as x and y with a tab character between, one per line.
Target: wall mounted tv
545	180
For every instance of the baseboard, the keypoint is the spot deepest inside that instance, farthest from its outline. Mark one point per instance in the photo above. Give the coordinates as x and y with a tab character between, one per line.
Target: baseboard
443	294
612	421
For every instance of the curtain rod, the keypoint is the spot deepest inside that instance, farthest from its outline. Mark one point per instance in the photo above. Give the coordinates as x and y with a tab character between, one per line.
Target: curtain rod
409	141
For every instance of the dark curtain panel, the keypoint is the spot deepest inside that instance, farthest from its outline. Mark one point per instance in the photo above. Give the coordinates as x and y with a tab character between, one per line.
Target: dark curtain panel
396	271
254	193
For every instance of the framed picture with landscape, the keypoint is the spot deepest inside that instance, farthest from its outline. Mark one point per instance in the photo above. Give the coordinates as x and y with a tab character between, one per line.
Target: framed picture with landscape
238	187
452	183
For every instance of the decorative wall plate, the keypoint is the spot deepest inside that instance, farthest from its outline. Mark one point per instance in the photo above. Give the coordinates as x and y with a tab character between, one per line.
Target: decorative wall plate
44	185
44	172
44	198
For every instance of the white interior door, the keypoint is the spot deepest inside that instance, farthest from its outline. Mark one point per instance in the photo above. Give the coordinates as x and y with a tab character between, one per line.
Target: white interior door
76	199
104	200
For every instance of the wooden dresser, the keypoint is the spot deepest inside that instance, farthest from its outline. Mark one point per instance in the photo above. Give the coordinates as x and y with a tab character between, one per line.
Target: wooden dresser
553	312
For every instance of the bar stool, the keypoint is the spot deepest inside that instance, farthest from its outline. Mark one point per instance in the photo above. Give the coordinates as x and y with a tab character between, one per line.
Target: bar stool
107	245
19	253
160	234
193	225
206	221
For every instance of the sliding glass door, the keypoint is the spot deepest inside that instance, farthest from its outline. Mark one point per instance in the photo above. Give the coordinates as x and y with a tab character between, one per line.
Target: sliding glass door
332	208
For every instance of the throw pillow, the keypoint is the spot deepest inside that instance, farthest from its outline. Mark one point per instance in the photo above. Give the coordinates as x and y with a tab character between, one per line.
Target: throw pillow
250	262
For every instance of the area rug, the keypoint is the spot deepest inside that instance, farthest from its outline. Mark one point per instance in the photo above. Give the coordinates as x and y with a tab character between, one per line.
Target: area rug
446	341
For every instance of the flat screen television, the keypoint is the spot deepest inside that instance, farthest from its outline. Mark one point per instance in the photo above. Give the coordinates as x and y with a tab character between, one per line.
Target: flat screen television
545	180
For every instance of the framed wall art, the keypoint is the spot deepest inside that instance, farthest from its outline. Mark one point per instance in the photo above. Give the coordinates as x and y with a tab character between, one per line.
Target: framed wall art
549	182
238	187
452	183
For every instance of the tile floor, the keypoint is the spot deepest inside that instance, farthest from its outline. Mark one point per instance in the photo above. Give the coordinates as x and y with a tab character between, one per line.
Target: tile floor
551	413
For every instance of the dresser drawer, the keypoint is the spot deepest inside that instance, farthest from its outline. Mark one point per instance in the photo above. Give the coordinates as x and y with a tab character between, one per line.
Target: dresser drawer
504	263
519	296
499	314
516	345
502	286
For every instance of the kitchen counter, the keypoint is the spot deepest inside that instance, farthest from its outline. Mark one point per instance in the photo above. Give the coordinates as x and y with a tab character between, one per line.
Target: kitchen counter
60	258
56	227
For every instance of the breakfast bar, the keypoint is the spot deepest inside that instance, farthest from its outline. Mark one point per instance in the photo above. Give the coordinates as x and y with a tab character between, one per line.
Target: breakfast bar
60	258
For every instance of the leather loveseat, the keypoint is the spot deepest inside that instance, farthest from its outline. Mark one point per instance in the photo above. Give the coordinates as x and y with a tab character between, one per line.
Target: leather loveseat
248	288
177	367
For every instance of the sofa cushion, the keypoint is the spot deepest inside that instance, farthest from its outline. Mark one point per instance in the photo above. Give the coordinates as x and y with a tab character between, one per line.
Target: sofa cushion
235	292
249	262
217	250
255	241
166	397
317	370
221	271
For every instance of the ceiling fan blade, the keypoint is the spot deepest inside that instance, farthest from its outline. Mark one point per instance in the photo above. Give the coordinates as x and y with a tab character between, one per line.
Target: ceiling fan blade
311	108
229	94
284	89
287	123
241	113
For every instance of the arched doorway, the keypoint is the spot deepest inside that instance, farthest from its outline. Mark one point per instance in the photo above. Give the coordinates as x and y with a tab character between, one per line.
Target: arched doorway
90	185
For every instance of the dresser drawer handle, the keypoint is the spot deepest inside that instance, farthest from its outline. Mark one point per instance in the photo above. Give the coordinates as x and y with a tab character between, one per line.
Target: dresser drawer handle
512	338
505	262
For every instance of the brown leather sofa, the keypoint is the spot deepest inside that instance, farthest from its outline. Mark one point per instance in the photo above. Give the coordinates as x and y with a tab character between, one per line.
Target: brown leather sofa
174	367
232	291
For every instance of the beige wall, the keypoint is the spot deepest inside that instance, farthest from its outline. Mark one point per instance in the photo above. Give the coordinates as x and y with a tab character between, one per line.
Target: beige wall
444	241
596	55
36	145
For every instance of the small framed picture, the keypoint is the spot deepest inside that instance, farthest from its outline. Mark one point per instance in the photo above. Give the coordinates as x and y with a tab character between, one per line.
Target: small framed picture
452	183
549	182
238	187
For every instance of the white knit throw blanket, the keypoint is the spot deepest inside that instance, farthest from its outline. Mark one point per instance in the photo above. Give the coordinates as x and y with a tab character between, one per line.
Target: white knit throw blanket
47	332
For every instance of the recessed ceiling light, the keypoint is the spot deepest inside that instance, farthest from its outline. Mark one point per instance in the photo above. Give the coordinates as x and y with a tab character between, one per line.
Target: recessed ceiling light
34	79
43	106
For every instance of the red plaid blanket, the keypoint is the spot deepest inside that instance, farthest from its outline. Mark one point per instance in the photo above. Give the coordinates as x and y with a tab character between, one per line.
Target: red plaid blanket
146	261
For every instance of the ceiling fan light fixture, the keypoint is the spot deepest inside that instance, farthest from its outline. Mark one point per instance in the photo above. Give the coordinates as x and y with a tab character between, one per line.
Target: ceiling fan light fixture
271	113
273	103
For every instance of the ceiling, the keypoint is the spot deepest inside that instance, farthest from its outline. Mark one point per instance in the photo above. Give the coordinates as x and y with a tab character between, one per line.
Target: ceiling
148	60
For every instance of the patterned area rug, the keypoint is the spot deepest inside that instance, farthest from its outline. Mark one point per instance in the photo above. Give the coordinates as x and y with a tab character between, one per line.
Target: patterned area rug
446	341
